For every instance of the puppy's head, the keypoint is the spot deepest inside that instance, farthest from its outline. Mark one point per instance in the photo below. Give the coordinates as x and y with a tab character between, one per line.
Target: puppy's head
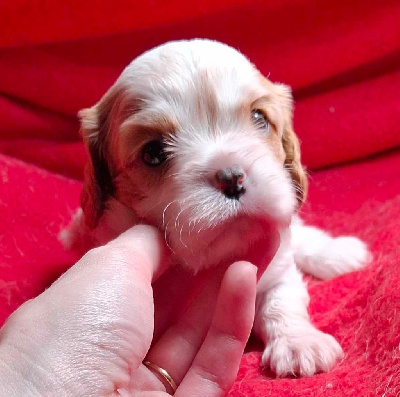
197	142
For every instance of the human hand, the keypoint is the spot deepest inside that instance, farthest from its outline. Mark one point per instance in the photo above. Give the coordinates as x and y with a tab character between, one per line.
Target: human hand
90	331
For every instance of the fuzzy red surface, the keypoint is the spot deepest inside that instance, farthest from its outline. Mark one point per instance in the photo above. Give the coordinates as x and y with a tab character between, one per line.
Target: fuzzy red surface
342	59
361	309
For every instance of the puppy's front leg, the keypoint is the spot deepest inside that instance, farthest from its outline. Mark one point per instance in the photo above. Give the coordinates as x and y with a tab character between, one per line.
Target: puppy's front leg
293	346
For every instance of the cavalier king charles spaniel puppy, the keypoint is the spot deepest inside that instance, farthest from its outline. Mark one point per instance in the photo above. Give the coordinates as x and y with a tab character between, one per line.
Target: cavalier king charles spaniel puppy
193	139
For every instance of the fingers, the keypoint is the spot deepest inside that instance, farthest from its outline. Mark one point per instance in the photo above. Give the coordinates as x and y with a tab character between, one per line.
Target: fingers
144	245
216	364
99	315
140	250
178	346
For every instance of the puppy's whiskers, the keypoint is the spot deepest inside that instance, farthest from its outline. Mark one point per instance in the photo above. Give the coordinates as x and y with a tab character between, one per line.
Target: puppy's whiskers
180	237
177	224
166	239
177	217
164	211
165	227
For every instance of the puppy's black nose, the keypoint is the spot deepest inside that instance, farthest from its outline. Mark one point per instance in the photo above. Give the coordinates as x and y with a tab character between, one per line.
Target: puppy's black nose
230	181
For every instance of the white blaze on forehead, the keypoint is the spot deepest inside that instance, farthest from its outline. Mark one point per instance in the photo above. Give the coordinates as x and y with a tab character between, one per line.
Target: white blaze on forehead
171	75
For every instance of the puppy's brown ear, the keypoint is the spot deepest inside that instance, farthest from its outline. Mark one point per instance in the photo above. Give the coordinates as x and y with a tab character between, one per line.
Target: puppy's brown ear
98	184
291	145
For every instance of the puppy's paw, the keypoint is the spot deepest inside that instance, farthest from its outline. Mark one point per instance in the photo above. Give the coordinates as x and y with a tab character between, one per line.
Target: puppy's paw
344	255
303	352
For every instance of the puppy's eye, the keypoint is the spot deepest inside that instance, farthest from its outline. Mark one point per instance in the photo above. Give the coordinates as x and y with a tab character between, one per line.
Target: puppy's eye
153	153
259	120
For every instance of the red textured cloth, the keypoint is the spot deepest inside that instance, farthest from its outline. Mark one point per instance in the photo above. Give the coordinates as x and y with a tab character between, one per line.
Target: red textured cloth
342	59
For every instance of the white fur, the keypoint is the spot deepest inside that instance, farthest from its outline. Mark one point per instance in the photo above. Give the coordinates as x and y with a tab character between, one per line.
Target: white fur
317	253
201	225
170	80
293	345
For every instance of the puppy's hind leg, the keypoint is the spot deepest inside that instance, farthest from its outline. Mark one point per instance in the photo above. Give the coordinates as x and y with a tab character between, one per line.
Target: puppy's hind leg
76	236
323	256
70	234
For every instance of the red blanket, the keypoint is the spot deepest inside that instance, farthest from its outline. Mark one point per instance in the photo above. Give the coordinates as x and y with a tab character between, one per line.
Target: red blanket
342	59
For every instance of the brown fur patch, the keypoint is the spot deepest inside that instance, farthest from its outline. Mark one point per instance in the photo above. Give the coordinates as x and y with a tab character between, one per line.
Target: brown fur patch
207	105
267	105
139	129
281	104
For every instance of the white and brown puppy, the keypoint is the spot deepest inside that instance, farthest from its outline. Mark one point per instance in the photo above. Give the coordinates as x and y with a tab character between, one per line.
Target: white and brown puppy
194	140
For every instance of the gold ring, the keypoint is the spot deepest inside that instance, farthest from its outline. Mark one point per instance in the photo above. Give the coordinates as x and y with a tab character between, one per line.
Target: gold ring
163	373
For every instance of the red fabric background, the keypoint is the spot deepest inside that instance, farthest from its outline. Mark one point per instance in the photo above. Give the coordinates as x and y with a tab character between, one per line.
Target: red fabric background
342	59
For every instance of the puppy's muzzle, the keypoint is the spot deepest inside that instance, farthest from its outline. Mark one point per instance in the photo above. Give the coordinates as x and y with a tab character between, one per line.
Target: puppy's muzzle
230	181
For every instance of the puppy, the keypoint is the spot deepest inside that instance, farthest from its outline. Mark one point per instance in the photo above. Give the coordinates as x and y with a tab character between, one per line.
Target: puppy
194	140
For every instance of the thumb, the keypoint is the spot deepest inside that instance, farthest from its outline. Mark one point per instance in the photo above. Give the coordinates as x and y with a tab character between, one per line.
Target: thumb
97	316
